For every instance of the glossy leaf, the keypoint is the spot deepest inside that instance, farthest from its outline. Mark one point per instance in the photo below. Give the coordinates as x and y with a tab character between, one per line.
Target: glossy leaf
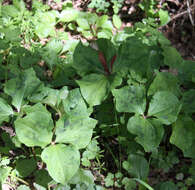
149	132
130	99
66	159
165	106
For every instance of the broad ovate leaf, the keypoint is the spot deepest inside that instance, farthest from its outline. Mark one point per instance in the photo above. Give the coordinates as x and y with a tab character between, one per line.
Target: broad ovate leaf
62	162
130	99
188	103
94	88
165	81
165	106
35	129
83	23
74	104
5	110
117	21
75	130
137	166
149	132
184	126
86	60
21	87
69	15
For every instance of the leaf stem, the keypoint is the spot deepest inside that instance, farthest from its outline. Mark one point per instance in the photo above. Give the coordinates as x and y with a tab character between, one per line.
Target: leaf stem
19	179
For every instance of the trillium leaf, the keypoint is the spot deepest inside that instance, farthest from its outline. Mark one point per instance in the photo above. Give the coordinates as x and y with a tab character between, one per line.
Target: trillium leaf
69	15
74	105
86	60
149	132
94	88
188	103
165	106
117	21
165	82
137	166
5	110
130	99
21	87
74	130
35	129
83	23
184	126
62	162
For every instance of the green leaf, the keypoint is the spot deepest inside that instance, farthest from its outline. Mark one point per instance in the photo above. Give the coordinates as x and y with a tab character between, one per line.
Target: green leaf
4	173
130	99
33	130
166	186
117	21
68	15
165	106
9	10
172	57
42	177
26	166
86	60
66	159
165	82
137	166
149	132
21	87
129	184
183	135
164	17
83	23
94	88
188	103
5	110
82	176
101	21
134	54
75	130
75	106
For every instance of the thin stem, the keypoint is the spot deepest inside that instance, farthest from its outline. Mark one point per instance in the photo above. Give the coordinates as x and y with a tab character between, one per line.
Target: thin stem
19	179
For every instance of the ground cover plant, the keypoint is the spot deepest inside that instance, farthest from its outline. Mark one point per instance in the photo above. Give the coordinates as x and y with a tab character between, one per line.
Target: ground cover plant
105	112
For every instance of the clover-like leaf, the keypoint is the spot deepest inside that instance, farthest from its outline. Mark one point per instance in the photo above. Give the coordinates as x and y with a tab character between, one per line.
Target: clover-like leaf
130	99
149	132
62	162
165	106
